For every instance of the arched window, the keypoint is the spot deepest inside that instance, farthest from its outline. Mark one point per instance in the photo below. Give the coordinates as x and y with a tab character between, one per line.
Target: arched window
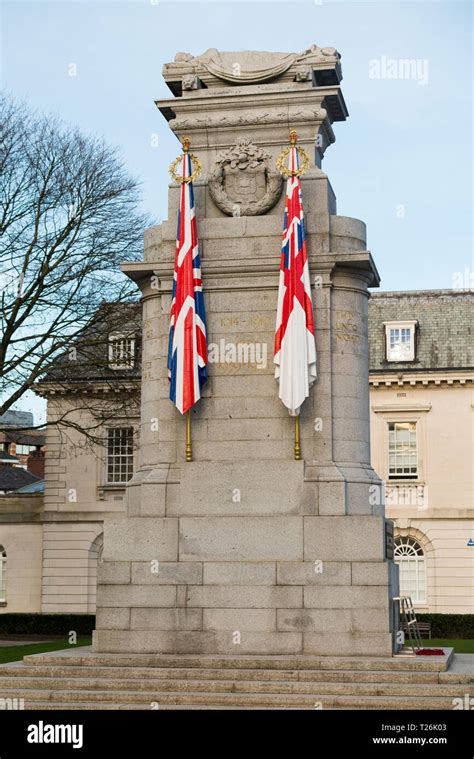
3	574
410	558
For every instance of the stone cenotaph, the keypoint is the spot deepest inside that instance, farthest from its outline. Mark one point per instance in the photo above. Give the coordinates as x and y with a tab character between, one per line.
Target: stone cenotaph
245	550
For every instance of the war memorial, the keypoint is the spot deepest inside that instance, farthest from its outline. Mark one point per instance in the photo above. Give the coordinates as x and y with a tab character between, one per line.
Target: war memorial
253	564
245	543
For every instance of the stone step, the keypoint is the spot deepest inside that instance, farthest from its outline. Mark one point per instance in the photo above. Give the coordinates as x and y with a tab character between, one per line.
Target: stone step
211	699
400	662
152	687
98	706
167	673
85	680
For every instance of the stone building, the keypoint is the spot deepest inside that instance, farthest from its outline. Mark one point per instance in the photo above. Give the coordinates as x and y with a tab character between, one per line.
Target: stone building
21	452
50	543
421	407
421	373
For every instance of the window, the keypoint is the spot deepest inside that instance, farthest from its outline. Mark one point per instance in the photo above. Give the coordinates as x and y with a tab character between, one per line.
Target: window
24	450
119	454
400	341
410	558
3	574
121	351
402	453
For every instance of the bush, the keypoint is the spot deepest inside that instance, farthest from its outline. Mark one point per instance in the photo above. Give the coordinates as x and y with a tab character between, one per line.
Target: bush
46	624
452	626
460	626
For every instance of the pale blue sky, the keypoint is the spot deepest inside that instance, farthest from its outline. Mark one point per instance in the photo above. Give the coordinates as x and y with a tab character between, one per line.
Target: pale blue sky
404	144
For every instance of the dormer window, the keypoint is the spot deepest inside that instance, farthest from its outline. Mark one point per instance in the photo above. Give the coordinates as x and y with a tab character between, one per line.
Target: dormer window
121	351
400	341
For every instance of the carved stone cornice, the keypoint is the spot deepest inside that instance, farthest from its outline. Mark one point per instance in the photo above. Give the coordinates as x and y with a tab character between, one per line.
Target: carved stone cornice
238	118
219	102
421	377
155	279
214	67
87	387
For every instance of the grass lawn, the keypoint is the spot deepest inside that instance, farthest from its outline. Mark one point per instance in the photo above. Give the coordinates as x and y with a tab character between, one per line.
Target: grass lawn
16	653
460	646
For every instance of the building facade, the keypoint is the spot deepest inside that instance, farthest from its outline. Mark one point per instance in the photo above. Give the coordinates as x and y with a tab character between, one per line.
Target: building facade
421	359
421	375
21	452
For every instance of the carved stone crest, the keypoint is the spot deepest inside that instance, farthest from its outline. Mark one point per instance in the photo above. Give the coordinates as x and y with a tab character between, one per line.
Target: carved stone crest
243	182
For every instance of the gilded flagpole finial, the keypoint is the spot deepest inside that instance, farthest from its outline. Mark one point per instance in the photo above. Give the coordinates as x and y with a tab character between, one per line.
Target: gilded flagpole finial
281	161
196	163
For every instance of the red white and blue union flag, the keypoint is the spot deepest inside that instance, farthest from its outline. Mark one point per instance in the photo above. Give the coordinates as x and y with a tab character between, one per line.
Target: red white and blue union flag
187	347
295	348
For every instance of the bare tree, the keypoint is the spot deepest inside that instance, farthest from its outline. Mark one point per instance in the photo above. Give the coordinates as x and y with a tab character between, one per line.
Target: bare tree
69	214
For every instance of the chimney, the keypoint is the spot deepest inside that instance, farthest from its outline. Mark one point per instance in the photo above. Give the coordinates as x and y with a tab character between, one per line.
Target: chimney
35	463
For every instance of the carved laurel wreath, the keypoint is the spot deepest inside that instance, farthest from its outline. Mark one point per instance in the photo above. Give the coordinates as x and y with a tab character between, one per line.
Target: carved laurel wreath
196	163
253	157
284	170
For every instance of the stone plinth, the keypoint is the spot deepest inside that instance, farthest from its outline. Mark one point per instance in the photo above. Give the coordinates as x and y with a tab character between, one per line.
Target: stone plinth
244	550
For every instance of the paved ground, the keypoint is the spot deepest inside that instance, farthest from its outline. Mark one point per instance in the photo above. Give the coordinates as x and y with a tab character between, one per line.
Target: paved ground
463	664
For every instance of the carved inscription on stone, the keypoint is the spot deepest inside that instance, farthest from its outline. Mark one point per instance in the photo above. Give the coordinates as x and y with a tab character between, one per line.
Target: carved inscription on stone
346	328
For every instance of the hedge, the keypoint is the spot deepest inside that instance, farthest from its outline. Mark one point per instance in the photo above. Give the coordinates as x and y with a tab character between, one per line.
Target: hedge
460	626
46	624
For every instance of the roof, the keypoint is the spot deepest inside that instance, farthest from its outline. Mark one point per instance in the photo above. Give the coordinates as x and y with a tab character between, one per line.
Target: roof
14	477
445	328
7	457
23	437
90	357
33	487
14	418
